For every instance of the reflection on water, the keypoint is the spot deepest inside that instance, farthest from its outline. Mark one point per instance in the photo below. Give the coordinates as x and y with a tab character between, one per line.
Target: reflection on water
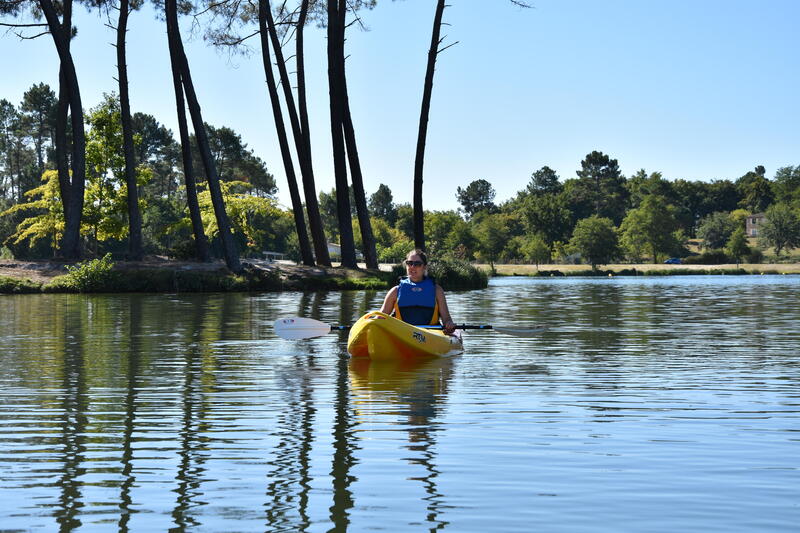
649	404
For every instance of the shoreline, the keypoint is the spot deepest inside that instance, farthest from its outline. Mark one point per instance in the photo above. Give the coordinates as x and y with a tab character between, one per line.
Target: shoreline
160	275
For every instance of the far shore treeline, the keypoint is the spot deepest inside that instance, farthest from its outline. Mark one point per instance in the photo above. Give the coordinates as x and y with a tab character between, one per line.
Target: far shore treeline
599	215
82	180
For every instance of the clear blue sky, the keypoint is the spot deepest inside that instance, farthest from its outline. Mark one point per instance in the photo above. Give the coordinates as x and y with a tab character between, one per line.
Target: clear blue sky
694	89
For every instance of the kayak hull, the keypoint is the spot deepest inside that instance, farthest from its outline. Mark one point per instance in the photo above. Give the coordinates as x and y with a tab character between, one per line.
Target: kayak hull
378	336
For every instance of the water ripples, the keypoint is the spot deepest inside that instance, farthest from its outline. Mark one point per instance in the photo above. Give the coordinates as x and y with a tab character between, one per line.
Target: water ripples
655	404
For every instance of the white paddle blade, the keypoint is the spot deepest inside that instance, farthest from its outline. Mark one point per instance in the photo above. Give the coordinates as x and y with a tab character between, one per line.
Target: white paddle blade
520	332
296	328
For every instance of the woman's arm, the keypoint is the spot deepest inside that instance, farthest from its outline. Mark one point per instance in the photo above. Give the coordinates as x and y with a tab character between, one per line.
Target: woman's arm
444	313
389	301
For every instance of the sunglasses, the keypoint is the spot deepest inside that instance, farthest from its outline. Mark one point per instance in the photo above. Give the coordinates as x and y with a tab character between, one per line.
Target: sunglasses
414	263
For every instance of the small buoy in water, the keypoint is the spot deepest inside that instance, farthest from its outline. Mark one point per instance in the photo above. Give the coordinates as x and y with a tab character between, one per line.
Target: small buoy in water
610	275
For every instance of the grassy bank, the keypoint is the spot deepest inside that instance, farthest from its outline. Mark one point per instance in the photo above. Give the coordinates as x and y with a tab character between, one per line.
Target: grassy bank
645	269
97	277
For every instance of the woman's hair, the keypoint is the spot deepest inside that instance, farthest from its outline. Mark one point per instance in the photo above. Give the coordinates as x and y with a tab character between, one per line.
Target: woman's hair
420	253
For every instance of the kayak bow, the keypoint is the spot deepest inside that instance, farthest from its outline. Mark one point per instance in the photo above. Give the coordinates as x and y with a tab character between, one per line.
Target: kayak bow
379	336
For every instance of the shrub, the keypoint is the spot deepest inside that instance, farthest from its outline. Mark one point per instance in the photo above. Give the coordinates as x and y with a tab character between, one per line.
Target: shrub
711	257
755	256
18	286
451	273
91	276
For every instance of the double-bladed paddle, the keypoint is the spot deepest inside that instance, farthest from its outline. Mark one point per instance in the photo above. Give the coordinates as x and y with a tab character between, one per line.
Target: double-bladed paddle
296	328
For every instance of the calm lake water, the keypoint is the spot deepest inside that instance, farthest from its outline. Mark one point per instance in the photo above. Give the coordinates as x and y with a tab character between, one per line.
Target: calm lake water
651	404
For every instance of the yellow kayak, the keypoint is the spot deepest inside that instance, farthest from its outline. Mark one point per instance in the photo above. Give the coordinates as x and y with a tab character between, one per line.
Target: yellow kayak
379	336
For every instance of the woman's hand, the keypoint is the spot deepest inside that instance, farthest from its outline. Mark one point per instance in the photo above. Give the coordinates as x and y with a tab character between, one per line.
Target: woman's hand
448	326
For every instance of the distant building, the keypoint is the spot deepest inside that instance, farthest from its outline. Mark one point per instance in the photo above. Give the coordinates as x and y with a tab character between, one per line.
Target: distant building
335	251
753	224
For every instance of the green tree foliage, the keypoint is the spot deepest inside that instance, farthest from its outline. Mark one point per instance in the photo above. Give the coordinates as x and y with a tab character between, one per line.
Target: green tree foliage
596	240
642	185
649	227
492	234
755	190
47	214
235	162
786	185
535	249
157	150
446	231
599	189
105	205
719	196
544	181
737	247
381	205
38	111
478	196
391	244
18	171
548	215
781	228
257	222
716	229
405	220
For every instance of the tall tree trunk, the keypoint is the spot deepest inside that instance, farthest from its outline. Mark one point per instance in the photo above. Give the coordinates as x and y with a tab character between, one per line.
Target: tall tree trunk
336	98
225	233
200	240
367	237
419	216
283	141
302	142
135	251
70	243
60	141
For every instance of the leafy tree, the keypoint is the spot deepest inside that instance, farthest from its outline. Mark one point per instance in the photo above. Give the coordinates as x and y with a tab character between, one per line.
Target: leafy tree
641	185
235	162
327	211
600	188
716	229
596	240
446	230
547	215
720	196
689	198
536	249
17	159
156	149
755	190
544	181
786	185
38	108
477	197
492	234
652	225
107	191
47	222
736	246
405	220
381	205
781	228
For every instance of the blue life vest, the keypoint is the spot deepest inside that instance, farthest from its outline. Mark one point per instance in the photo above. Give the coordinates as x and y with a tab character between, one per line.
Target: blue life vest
416	302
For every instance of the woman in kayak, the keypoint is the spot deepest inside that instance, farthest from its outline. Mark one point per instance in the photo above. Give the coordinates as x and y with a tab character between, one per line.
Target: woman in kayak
418	299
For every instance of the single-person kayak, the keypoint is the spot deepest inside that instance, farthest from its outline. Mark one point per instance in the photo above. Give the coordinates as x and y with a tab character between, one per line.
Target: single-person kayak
379	336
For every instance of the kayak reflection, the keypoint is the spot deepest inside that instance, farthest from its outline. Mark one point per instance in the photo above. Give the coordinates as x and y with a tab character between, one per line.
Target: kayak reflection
416	390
